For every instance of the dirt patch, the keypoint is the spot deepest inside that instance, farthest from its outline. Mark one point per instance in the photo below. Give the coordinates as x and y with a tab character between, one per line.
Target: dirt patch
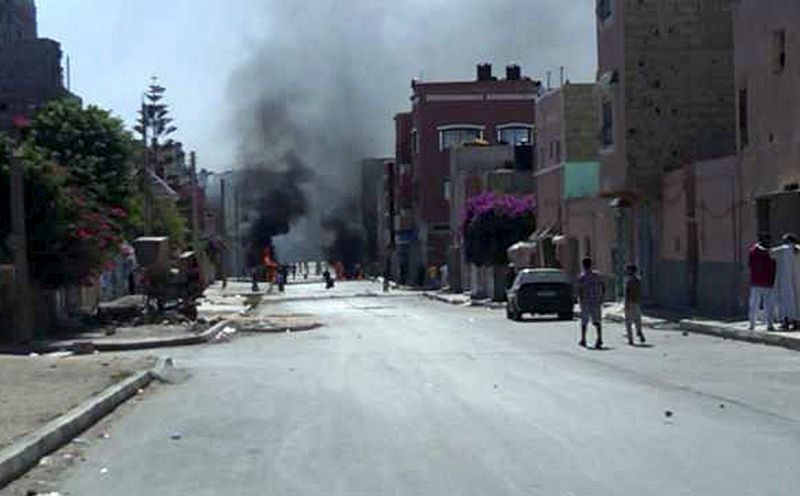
36	390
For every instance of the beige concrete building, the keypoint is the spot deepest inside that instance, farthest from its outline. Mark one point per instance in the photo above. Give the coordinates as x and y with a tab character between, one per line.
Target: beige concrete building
767	58
567	179
713	209
666	99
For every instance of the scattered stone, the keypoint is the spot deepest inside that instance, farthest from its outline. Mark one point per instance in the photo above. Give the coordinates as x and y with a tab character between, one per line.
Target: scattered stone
669	413
685	333
80	440
140	391
722	406
104	470
104	435
176	436
111	331
44	461
496	386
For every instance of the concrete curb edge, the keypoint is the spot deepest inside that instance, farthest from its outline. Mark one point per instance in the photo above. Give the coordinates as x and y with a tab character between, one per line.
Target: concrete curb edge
755	337
25	453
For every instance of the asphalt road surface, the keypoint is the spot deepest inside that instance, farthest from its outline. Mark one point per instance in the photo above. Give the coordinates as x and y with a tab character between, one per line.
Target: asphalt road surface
403	396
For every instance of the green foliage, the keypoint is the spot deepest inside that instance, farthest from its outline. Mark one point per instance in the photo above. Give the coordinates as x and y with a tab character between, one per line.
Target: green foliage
168	221
93	144
80	192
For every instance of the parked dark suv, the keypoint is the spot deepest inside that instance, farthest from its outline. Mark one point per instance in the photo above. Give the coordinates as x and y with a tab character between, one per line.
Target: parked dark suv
541	292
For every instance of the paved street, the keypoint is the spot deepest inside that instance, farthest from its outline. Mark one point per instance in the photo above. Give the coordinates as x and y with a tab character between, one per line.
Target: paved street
401	395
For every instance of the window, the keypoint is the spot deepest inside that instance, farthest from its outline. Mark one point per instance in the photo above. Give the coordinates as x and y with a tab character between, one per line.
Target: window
446	188
744	136
607	126
458	136
558	151
779	51
514	135
603	9
414	142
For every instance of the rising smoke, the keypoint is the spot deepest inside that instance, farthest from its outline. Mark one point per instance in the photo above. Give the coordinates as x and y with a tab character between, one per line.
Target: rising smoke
320	90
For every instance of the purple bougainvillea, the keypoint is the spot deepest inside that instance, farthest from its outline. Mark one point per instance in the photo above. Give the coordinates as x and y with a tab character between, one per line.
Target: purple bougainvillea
492	223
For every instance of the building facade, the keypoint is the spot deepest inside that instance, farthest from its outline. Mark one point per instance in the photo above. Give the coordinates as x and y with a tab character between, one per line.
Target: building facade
767	56
445	115
17	20
30	67
372	189
567	179
666	98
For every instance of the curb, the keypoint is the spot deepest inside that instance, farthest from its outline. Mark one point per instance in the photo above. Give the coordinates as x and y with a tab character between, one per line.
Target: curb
696	327
26	452
136	344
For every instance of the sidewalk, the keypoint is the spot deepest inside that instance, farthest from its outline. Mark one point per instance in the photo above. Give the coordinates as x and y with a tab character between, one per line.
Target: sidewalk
36	390
614	312
727	330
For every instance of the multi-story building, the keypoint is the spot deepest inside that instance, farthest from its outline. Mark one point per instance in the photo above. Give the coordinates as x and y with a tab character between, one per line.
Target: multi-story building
444	115
372	188
666	99
714	209
17	20
567	178
30	67
767	34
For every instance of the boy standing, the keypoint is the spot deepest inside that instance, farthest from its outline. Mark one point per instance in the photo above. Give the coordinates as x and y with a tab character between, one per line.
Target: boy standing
633	304
590	292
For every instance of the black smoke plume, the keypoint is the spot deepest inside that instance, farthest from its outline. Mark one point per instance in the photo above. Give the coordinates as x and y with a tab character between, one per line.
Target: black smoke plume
275	198
346	237
323	79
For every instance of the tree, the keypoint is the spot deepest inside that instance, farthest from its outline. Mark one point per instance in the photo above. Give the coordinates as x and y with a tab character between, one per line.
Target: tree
154	122
493	223
80	191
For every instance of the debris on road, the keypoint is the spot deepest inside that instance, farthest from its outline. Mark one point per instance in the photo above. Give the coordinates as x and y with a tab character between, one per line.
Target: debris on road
104	435
668	413
176	436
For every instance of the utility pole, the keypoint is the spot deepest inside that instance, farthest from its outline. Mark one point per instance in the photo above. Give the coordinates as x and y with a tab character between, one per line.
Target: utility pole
237	233
223	233
23	307
195	206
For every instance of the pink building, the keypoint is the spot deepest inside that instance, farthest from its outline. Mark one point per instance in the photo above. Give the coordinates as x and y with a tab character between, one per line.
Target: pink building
666	99
713	209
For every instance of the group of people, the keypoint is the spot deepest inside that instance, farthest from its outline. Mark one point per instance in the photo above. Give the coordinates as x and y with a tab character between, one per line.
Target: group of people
591	293
774	280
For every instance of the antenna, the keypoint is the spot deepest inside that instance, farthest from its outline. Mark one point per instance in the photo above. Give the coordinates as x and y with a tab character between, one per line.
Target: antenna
561	76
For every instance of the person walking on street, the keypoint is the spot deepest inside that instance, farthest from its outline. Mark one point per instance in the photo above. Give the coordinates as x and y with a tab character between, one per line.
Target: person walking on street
590	293
762	281
633	305
785	283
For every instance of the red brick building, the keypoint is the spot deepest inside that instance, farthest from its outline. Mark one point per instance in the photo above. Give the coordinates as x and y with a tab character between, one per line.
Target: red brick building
444	115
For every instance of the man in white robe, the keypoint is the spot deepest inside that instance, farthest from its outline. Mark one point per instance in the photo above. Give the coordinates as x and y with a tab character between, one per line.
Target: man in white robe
787	260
